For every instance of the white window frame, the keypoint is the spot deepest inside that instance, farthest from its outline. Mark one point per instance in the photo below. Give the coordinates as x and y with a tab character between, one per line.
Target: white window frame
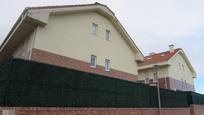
107	65
93	64
108	35
94	28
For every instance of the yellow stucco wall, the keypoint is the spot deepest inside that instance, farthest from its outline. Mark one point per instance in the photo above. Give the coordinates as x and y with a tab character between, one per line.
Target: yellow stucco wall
177	72
162	72
172	71
71	35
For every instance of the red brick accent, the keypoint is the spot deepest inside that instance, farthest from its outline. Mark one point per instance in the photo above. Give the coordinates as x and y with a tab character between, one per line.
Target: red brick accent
171	83
58	60
197	109
97	111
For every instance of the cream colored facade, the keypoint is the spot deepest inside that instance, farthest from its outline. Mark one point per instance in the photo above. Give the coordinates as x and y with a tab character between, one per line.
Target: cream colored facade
177	67
148	73
71	35
67	31
180	70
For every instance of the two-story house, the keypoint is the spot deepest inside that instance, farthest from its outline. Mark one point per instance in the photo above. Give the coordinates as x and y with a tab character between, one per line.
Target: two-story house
85	37
175	70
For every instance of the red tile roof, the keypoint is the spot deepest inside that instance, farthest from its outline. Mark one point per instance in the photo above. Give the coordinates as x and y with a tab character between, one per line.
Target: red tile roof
158	57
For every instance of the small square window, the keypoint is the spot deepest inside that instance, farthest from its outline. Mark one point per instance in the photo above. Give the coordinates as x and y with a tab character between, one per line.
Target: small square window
108	35
107	65
93	61
94	28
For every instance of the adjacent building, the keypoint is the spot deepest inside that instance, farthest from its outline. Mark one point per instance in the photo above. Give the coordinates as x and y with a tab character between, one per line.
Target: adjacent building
85	37
175	70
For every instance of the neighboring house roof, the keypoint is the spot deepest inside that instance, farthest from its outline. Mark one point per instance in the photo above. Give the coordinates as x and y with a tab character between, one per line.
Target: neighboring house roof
158	57
39	16
162	60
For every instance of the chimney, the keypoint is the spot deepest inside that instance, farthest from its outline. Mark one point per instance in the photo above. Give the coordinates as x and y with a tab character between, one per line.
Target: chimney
171	48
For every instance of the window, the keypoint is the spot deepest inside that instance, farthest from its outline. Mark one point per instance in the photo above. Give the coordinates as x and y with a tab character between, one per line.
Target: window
107	65
108	35
155	77
146	80
183	67
94	28
179	65
93	61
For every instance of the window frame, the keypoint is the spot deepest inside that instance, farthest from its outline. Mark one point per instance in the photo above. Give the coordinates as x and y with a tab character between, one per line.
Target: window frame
107	34
94	28
107	65
183	67
179	65
95	61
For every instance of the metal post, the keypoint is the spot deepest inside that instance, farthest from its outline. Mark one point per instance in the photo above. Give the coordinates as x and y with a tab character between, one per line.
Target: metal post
158	90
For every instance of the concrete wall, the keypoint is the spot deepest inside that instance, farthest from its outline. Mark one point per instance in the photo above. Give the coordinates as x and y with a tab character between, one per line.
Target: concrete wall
70	35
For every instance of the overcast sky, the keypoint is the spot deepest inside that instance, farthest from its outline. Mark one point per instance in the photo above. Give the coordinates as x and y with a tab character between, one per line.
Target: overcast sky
152	24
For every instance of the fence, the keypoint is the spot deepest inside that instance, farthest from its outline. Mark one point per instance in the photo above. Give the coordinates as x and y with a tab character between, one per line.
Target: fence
26	83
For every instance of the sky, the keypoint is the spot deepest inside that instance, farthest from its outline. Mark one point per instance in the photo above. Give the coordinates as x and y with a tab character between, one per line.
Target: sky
152	24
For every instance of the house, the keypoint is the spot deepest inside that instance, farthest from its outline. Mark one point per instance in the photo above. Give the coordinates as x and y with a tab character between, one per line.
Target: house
174	72
85	37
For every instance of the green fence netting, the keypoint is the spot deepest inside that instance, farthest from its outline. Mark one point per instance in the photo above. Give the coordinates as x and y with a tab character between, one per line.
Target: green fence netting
26	83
